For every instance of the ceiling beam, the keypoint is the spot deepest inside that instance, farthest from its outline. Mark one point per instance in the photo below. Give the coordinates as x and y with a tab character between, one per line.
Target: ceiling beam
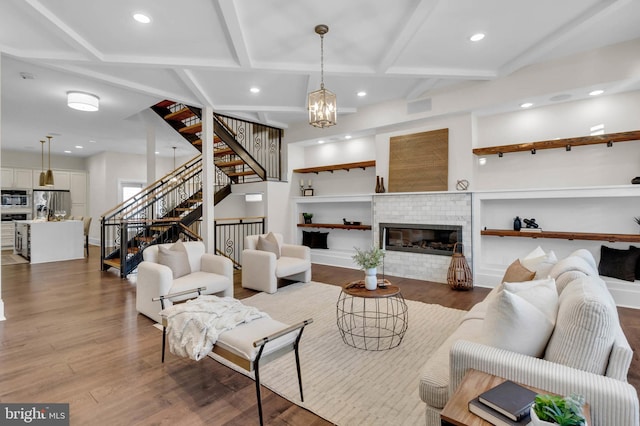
414	22
233	30
72	37
561	34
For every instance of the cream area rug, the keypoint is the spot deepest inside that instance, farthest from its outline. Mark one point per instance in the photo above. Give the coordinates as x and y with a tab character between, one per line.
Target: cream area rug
344	385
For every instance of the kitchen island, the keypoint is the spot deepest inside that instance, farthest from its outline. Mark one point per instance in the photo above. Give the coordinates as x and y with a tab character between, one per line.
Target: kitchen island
41	241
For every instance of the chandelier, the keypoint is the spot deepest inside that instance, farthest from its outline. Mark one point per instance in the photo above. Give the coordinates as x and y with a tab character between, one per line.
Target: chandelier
322	103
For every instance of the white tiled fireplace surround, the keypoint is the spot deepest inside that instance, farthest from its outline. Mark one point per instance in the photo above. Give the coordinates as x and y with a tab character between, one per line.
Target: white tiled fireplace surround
441	208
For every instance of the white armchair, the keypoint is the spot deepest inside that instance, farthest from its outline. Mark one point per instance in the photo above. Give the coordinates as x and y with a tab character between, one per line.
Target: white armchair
213	272
261	269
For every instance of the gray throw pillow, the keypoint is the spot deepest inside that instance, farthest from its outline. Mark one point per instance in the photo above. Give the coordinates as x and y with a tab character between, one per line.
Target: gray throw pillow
175	258
270	244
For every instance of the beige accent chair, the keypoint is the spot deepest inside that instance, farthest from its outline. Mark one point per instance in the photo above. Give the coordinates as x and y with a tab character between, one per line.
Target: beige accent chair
213	272
261	269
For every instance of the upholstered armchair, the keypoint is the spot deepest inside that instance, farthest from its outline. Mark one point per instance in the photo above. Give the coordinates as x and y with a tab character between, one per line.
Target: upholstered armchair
266	258
171	268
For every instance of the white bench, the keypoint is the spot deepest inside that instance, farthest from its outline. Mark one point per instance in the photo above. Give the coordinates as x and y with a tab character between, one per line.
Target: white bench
252	344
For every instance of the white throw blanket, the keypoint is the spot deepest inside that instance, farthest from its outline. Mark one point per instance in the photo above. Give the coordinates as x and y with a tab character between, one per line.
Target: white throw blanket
194	327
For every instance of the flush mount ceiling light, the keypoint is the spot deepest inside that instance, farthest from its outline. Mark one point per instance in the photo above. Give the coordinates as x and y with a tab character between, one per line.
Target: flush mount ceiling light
361	94
83	101
142	18
526	105
596	92
322	103
477	37
255	90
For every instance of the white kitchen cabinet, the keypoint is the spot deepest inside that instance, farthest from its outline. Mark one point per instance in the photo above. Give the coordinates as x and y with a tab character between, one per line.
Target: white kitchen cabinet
16	178
7	234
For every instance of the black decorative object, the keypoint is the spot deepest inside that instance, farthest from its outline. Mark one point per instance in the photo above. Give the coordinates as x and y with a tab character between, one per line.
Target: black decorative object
378	184
517	224
636	180
531	223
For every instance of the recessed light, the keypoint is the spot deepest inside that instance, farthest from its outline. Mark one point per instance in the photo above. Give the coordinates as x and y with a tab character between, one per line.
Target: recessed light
79	146
67	151
157	152
142	18
596	92
526	105
92	141
320	141
477	37
255	90
348	137
362	93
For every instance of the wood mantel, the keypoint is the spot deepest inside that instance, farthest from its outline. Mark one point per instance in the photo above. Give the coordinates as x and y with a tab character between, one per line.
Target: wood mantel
629	238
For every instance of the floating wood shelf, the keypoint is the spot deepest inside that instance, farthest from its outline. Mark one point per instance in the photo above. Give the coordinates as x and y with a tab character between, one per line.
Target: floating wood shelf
566	143
334	226
629	238
346	166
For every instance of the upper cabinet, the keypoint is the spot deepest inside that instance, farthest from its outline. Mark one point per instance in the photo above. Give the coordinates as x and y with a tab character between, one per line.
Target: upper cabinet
16	178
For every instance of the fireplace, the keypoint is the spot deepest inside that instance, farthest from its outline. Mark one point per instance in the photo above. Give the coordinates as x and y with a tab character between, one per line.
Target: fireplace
419	238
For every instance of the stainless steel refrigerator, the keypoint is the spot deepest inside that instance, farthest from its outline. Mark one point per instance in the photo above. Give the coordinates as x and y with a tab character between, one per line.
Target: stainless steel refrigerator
47	202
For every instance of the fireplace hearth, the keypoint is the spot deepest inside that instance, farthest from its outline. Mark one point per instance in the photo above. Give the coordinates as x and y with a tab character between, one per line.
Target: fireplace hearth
420	238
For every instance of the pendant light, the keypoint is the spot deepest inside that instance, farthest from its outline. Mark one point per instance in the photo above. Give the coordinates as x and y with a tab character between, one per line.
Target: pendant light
43	175
174	178
48	181
322	104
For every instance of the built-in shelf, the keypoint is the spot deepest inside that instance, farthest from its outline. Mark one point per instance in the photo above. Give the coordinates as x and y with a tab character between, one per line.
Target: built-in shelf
334	226
566	143
630	238
346	166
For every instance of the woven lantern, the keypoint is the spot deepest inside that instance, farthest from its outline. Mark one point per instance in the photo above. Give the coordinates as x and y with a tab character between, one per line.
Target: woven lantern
459	276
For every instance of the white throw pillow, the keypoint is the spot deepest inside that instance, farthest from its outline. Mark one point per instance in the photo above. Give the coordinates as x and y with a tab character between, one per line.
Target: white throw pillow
521	319
532	259
543	268
176	259
586	327
269	243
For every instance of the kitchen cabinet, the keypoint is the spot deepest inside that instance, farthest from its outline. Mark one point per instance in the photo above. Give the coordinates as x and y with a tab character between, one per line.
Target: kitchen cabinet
16	178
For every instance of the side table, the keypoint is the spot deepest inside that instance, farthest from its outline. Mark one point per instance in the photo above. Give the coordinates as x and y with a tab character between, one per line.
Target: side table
457	413
373	320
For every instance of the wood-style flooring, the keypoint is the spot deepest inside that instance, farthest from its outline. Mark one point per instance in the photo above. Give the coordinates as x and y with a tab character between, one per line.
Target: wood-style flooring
73	335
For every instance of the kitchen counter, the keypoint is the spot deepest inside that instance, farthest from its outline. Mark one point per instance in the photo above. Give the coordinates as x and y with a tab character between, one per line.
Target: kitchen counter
41	241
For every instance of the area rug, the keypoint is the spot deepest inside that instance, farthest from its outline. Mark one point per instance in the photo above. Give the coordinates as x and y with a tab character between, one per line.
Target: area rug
344	385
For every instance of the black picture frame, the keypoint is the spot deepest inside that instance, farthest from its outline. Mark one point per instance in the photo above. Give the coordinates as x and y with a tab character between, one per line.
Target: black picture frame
307	192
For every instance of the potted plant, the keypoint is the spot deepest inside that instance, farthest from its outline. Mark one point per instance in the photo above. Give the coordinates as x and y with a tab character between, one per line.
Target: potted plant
307	217
558	410
369	260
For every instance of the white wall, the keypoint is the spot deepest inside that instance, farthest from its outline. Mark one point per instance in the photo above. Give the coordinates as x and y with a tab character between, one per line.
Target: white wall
582	166
29	160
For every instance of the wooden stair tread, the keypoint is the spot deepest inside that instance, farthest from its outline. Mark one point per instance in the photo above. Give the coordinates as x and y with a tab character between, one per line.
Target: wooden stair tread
145	239
180	114
183	209
243	173
194	128
229	163
198	142
114	263
222	151
165	103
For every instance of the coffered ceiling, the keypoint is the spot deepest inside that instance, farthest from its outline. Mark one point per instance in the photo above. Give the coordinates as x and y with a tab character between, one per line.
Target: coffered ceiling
211	52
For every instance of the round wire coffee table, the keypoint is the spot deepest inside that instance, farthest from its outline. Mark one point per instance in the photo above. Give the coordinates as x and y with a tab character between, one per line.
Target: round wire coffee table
373	320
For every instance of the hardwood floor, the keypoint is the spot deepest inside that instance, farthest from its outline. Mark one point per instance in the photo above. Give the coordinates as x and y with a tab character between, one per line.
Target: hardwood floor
73	335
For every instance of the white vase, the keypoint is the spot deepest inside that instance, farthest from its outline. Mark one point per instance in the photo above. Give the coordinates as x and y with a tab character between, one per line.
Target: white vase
371	279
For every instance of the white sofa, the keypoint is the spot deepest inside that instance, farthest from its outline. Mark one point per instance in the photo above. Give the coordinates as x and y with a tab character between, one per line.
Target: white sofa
261	269
207	270
587	352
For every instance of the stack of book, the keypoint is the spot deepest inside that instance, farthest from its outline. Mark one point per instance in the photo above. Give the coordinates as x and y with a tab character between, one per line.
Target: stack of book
507	404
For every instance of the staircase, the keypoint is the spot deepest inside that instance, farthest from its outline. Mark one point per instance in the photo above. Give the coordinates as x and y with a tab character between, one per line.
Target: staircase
171	208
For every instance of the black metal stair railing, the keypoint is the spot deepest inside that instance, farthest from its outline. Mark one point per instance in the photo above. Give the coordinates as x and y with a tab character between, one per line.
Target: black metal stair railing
164	211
